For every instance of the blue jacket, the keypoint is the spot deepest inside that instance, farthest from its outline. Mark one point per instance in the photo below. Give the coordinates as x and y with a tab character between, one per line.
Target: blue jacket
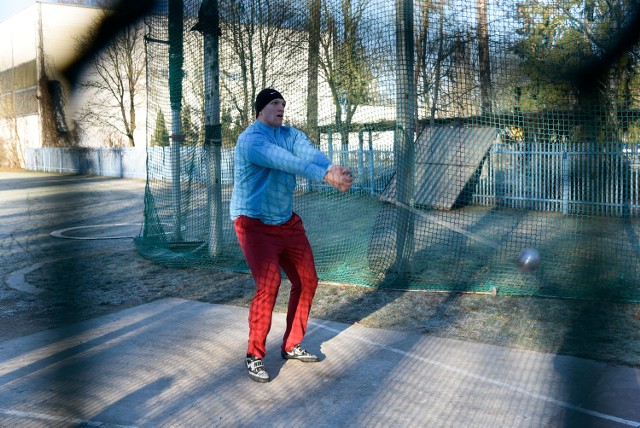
267	160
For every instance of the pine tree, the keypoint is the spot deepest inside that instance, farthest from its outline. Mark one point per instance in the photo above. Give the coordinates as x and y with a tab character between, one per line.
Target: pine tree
160	135
189	129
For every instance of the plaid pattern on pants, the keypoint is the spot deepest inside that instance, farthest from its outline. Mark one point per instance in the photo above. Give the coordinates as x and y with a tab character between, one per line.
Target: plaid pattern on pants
268	248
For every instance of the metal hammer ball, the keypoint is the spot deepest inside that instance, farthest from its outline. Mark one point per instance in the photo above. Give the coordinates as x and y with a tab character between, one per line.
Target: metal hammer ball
528	260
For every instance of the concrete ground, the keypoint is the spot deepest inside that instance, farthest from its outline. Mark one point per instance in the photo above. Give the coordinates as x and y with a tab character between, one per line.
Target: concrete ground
176	362
179	363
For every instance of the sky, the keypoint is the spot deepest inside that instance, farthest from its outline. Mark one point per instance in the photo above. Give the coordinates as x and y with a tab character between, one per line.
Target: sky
9	7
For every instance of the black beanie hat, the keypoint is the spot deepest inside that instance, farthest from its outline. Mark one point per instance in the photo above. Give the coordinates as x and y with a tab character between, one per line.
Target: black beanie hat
265	97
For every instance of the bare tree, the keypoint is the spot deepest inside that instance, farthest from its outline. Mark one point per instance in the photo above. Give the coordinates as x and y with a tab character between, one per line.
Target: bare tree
315	7
193	99
484	57
114	82
266	49
462	76
421	29
345	63
430	56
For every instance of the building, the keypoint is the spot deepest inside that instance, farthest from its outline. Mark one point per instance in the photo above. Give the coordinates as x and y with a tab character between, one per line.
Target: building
38	40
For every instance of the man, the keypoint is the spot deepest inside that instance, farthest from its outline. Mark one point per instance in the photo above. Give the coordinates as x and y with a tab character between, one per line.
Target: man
267	158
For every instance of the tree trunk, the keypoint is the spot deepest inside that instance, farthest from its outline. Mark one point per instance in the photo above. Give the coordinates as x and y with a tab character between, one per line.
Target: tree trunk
438	71
421	61
312	73
485	60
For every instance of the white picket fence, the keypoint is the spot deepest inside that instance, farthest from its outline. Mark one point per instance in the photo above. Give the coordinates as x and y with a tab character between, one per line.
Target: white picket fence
565	178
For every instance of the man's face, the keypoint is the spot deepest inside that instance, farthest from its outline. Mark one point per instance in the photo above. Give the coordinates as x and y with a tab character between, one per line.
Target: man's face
273	113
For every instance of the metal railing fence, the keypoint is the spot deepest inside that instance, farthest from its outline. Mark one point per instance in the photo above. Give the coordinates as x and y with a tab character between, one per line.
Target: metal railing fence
571	178
565	178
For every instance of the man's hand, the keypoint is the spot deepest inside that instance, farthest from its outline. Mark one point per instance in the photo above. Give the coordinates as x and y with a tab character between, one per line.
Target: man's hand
339	177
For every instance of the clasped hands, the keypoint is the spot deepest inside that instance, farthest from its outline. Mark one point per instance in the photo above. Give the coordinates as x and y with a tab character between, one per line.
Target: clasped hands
339	177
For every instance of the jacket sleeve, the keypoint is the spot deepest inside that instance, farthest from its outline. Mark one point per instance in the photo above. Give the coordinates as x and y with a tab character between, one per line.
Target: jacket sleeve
303	148
258	150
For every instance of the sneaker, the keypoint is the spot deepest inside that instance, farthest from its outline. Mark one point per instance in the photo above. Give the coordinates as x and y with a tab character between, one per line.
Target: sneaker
257	372
298	353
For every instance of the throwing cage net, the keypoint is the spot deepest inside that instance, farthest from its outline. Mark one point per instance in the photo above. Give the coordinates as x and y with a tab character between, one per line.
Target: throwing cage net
475	130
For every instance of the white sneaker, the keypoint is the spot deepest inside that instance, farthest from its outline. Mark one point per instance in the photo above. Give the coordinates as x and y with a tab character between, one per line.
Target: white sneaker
257	372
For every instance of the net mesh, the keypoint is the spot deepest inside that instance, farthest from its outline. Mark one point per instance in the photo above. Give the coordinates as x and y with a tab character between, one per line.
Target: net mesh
474	130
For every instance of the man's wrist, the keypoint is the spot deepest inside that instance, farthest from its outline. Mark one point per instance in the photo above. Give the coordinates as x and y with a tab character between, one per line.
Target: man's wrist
329	167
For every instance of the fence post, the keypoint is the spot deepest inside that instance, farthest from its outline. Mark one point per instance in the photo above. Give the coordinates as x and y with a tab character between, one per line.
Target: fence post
565	183
371	163
360	153
330	144
626	181
498	176
121	152
405	122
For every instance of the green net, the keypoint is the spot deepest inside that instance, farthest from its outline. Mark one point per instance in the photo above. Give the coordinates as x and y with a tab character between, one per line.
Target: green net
475	130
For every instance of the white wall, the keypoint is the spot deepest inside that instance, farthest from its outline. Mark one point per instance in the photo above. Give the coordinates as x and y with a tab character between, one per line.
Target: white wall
19	38
62	26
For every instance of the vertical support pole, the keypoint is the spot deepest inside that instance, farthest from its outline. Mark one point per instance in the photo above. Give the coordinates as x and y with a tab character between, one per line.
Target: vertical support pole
405	117
330	144
176	15
371	164
361	154
98	162
566	175
626	181
208	25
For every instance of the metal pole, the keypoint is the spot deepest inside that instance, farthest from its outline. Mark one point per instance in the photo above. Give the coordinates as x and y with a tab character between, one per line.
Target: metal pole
371	164
208	25
405	117
330	144
361	155
176	15
566	177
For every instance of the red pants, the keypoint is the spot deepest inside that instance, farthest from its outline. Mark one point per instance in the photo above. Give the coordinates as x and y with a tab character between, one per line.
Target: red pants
268	248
